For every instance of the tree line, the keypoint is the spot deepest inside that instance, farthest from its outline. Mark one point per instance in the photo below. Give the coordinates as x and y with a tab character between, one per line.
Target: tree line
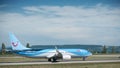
4	50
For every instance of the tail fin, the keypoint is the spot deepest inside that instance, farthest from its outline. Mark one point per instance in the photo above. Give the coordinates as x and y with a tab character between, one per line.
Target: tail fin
15	43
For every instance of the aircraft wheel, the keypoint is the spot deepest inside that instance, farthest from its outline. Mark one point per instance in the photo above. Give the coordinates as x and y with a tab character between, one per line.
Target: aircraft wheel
49	59
54	59
84	58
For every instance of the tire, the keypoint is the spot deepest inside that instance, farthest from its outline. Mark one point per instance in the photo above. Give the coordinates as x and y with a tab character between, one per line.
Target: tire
54	59
49	59
84	58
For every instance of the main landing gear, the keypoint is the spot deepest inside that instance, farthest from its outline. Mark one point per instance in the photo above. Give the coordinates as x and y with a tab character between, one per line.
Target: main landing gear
49	59
84	58
52	59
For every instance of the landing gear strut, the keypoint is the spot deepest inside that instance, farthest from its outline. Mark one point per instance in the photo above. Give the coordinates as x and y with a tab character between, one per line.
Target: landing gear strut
84	58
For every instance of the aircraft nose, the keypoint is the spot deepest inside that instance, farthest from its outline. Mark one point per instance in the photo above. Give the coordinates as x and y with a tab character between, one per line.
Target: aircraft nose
90	53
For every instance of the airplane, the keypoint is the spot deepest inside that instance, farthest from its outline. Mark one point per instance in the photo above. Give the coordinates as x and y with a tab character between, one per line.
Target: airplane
51	54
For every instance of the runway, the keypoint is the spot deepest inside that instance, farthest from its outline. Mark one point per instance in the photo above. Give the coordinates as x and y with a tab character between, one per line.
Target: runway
61	62
29	61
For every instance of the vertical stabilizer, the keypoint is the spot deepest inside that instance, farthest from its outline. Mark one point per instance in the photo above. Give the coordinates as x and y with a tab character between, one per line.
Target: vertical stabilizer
15	43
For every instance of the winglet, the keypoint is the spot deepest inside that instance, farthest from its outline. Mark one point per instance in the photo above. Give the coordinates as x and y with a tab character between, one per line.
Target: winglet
56	49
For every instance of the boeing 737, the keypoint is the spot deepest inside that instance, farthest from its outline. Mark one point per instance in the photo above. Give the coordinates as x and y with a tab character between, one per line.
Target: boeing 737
51	54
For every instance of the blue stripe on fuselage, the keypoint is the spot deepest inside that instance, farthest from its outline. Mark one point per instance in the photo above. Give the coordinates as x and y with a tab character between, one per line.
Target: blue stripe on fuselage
78	52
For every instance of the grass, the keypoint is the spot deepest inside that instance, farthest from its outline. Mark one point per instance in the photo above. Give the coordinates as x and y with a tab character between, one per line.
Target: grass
73	65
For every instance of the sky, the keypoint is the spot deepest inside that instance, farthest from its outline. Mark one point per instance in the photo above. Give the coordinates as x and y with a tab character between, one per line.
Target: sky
59	22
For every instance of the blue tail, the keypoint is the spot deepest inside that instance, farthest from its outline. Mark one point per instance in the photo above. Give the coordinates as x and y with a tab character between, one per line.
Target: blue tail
15	43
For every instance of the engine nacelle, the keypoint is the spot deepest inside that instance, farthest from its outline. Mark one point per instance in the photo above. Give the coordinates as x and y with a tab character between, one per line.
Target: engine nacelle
66	57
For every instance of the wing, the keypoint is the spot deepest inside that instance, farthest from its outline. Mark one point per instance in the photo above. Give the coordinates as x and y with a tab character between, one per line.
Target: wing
51	55
55	54
59	55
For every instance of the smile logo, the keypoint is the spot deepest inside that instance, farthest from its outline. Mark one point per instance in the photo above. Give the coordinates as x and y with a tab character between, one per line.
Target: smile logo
15	44
78	50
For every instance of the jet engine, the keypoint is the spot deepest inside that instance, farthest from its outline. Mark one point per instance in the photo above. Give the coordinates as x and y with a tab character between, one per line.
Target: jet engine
66	57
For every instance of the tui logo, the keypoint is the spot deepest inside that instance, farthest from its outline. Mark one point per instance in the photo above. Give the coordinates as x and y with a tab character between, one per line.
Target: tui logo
15	44
78	50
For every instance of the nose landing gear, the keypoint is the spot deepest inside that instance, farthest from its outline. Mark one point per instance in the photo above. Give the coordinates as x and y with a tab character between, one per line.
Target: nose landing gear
84	58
